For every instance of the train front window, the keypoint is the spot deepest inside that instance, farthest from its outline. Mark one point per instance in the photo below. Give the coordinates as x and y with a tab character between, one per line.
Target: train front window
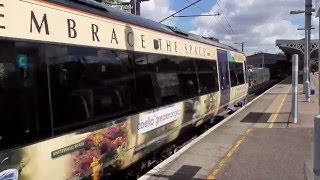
208	76
24	109
239	68
236	73
233	74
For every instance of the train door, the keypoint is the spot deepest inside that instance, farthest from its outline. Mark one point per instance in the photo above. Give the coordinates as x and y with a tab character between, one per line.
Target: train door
224	77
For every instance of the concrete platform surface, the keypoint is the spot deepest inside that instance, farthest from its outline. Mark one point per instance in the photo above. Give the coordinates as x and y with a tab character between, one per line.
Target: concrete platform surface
259	142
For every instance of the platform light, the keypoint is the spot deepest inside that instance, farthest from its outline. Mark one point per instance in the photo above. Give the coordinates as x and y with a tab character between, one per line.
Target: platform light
308	13
304	28
297	12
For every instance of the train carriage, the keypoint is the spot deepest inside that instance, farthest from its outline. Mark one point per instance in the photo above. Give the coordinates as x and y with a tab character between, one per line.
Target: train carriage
87	90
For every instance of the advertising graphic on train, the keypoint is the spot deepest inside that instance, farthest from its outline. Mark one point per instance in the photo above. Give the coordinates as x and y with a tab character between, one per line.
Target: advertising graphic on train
74	156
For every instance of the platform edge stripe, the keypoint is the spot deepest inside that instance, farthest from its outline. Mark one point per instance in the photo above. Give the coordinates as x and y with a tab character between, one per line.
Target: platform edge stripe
229	154
275	115
186	147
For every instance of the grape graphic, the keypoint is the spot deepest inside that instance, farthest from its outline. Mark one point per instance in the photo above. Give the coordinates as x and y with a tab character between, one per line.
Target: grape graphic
104	147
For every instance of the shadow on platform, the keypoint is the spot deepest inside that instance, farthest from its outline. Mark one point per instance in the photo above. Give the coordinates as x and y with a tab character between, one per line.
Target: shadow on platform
278	93
259	117
289	80
184	172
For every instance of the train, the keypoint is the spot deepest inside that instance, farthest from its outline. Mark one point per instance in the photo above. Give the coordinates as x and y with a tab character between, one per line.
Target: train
259	79
87	91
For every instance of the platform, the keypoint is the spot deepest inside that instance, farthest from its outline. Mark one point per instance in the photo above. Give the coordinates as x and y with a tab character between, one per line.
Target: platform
258	142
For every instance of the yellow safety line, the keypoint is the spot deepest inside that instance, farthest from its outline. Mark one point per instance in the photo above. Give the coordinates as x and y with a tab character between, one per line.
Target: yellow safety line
274	116
229	154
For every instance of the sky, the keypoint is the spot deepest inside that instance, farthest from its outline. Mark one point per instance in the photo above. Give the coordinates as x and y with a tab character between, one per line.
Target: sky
258	23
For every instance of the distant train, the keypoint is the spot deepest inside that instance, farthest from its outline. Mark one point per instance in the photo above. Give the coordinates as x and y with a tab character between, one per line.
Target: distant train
87	90
258	79
258	76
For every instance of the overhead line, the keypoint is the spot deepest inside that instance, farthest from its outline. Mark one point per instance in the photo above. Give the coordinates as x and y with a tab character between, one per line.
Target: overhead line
215	19
225	17
180	11
197	15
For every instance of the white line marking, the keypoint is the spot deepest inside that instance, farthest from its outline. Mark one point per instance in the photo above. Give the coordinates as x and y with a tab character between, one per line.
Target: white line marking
160	166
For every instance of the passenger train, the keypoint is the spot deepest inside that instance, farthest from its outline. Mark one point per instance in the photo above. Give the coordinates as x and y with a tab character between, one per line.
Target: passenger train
87	90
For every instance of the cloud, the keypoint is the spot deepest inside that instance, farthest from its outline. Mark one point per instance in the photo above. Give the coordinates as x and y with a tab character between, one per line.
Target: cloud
157	10
258	23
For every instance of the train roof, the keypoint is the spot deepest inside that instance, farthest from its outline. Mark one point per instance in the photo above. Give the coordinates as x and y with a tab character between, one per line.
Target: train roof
113	13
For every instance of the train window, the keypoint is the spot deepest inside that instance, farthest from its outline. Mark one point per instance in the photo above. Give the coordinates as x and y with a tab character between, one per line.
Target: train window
233	74
187	78
240	72
223	69
236	73
145	95
24	107
163	80
89	85
166	69
208	77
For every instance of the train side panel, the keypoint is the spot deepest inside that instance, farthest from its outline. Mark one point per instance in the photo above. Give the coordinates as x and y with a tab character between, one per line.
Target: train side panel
118	143
113	145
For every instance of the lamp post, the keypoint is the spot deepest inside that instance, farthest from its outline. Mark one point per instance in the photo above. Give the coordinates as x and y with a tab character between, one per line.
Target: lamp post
308	12
307	83
316	151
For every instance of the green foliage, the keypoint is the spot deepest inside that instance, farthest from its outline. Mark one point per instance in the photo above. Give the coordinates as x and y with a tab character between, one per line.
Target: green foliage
314	67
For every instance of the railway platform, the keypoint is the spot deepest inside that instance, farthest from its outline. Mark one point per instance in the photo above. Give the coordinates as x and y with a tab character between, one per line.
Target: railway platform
256	142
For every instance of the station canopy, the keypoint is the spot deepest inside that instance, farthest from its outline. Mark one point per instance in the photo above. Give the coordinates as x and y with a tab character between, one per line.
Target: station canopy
290	47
